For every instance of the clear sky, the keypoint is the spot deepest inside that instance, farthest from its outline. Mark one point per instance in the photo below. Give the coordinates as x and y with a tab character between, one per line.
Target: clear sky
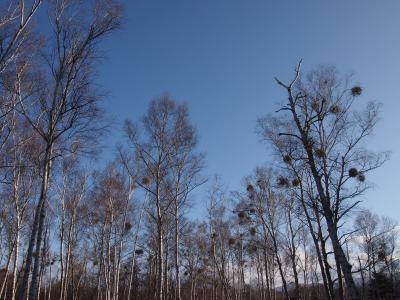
220	57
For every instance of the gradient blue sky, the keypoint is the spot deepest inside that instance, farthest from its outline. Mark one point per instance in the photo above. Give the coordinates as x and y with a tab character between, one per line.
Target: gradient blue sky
220	58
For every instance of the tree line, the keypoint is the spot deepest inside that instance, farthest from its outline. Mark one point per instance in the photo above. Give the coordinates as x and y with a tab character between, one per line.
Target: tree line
71	230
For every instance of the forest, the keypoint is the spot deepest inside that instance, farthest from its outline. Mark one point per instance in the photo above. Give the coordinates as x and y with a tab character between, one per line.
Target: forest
73	228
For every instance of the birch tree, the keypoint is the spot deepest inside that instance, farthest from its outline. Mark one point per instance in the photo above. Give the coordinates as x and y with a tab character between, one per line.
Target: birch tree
65	112
165	154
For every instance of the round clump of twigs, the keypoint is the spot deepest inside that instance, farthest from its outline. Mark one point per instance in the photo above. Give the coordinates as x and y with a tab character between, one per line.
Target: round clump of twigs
287	159
335	109
315	105
310	142
295	182
353	172
253	231
139	251
146	180
241	214
361	177
356	91
320	153
231	241
252	249
282	181
127	226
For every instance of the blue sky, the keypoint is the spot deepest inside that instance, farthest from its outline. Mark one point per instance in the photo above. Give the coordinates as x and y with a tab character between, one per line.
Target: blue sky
220	57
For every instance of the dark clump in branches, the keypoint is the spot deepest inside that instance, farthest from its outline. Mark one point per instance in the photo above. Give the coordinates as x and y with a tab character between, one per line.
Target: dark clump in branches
320	153
335	109
295	182
128	226
242	214
253	231
287	159
356	91
146	180
250	188
353	172
282	181
139	251
361	177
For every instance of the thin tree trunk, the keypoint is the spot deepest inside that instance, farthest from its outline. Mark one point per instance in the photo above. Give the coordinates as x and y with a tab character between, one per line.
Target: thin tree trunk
134	247
5	280
293	258
36	234
160	264
177	273
15	266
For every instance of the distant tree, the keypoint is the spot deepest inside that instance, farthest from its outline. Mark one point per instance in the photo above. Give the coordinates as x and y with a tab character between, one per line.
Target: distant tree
184	178
71	191
111	206
377	238
267	200
169	171
219	248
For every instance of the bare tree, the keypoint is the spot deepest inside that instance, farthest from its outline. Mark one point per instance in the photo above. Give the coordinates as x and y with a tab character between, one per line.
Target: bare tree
170	168
19	177
268	209
185	168
328	136
65	111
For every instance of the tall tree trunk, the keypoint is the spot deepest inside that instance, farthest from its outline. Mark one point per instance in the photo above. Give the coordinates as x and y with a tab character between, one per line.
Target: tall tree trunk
177	273
293	257
61	250
36	233
5	280
160	263
19	216
327	281
15	266
339	254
